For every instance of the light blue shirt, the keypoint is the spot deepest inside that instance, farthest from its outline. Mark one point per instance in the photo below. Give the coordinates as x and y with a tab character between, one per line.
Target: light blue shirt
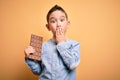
59	61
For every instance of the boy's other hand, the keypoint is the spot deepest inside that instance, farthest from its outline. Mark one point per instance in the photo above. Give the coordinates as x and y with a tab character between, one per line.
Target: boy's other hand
60	35
29	50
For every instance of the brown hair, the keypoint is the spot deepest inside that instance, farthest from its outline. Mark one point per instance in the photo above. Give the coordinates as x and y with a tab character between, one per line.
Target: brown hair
54	8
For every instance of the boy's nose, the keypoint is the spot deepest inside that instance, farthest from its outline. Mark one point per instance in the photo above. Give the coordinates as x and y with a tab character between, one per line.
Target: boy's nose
58	24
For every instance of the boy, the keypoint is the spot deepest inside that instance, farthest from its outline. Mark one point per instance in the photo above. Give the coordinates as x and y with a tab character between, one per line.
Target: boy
60	56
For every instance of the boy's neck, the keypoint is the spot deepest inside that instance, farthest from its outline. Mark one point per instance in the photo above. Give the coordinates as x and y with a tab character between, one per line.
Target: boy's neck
54	37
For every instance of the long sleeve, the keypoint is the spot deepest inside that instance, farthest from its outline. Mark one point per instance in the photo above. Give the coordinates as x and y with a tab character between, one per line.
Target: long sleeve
35	66
70	53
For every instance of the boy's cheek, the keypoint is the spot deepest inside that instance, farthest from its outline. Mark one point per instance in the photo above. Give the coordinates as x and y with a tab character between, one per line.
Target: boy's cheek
54	31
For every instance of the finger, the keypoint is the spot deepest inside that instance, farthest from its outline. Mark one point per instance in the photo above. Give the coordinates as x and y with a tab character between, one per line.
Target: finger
32	50
61	31
29	50
57	32
30	47
26	52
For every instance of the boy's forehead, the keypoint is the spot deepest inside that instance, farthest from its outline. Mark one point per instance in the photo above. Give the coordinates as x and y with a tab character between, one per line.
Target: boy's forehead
57	14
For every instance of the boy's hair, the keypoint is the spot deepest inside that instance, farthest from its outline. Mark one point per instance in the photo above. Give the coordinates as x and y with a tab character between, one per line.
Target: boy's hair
54	8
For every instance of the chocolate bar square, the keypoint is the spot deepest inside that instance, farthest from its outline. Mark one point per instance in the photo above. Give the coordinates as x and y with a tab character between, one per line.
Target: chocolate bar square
36	43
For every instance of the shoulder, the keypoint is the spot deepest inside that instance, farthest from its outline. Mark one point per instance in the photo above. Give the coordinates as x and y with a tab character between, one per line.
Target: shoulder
47	43
73	42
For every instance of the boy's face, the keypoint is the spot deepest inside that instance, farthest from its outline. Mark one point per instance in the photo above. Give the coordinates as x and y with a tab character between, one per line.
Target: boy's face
57	21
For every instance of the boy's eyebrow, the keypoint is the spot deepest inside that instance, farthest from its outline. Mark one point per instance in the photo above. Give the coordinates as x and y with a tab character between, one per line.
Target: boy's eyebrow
60	17
52	18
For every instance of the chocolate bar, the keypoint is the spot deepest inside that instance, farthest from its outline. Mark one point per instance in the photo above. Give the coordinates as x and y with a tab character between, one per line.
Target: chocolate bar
36	43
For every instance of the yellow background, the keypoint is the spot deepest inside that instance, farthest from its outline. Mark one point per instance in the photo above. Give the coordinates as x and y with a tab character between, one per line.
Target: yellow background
94	23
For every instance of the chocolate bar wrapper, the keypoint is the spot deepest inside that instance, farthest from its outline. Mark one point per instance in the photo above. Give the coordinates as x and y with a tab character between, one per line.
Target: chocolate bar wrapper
36	43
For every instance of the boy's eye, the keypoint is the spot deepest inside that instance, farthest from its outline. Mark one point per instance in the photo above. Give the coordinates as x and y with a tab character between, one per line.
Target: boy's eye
62	20
52	21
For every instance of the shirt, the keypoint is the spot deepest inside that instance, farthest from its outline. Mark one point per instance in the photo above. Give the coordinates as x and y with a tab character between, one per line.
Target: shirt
59	61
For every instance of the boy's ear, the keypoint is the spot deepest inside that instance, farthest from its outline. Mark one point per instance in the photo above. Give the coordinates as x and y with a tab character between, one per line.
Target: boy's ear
47	26
68	22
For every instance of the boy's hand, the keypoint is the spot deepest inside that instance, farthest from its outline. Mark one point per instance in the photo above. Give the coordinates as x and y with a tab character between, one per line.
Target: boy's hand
60	35
29	50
